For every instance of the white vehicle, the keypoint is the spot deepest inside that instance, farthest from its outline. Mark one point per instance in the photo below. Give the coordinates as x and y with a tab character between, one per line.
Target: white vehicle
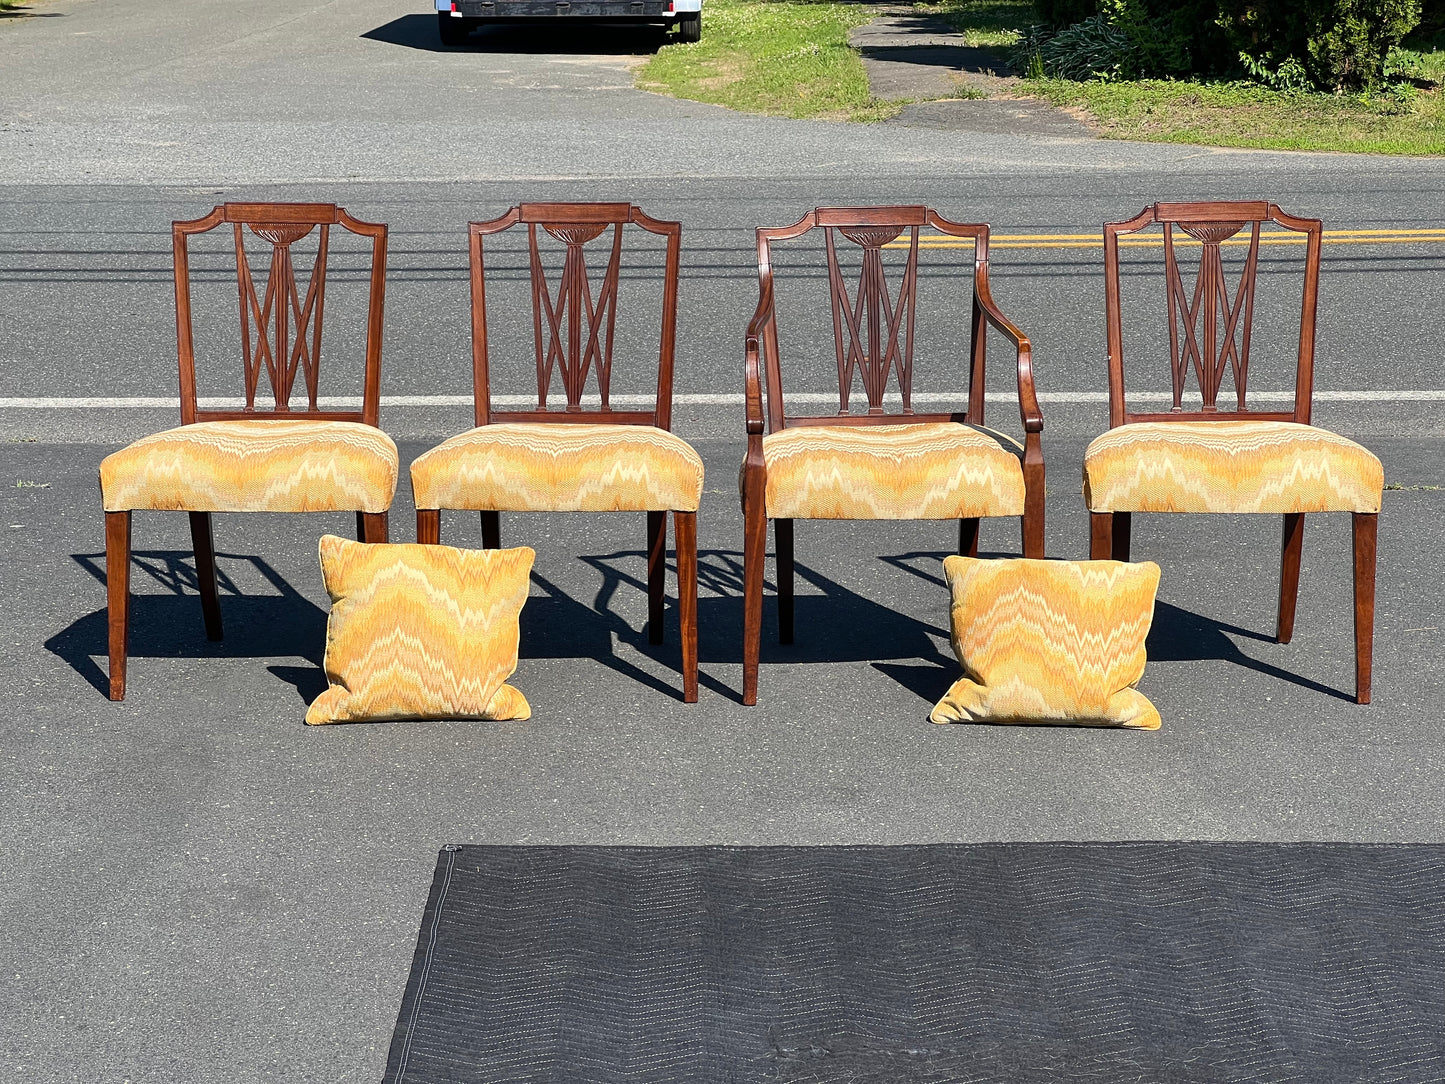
456	19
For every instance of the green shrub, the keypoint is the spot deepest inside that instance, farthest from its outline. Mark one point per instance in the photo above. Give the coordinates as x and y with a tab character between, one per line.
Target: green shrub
1342	44
1057	14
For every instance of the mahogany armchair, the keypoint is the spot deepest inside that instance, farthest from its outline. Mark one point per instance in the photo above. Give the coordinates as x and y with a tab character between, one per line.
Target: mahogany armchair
1216	459
877	464
284	459
575	459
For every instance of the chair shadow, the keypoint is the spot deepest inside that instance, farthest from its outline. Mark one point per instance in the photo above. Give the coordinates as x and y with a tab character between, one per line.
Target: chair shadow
170	626
615	39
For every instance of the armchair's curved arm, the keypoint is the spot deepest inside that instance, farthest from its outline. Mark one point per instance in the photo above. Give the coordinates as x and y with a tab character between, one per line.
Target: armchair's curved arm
754	392
1033	418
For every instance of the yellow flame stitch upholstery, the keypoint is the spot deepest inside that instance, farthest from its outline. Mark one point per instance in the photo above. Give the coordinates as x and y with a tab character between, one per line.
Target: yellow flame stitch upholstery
541	467
1050	642
254	466
1229	466
421	632
929	470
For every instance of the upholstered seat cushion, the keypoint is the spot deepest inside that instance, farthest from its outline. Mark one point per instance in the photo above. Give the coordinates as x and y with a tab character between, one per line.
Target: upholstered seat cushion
1049	642
261	465
560	467
421	632
932	470
1229	466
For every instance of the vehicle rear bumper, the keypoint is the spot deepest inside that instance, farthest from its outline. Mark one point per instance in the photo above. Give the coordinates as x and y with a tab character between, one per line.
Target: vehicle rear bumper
606	10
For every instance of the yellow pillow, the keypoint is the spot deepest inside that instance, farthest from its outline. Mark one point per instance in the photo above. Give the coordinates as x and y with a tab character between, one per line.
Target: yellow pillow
421	632
1050	642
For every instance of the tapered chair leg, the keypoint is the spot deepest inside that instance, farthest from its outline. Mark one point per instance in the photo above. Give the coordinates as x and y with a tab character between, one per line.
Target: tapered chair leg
203	544
1365	528
429	526
755	550
1101	535
968	537
656	573
1290	549
375	526
685	530
117	589
361	526
783	540
491	530
1119	550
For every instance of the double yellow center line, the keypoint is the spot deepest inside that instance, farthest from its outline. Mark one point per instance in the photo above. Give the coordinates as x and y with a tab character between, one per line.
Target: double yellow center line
1096	240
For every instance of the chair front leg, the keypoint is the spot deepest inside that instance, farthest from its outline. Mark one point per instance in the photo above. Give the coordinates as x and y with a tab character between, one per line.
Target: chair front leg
656	573
429	526
1291	547
1119	551
755	551
685	530
203	543
783	541
375	526
1365	528
117	590
968	537
491	530
1033	521
1101	535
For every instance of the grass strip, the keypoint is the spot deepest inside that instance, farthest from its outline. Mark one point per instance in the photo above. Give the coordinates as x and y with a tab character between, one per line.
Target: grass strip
1247	115
788	59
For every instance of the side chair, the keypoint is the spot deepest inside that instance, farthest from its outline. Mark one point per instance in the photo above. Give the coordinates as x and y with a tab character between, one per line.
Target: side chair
877	463
567	458
286	458
1216	459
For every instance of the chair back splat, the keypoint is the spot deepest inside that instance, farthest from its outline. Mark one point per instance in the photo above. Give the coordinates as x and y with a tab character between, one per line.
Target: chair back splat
573	323
873	322
280	324
1210	327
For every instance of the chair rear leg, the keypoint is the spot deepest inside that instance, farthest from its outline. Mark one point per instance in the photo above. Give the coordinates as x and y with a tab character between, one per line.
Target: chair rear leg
491	530
968	537
783	540
117	590
429	526
755	551
656	573
1291	547
204	545
685	530
1119	551
1101	535
1365	527
375	526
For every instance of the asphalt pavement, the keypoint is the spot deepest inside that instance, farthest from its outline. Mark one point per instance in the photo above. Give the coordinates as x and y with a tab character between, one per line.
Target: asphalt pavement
195	887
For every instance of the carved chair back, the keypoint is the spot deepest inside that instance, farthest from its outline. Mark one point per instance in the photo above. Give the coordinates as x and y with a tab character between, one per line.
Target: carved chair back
1210	323
281	324
873	323
573	321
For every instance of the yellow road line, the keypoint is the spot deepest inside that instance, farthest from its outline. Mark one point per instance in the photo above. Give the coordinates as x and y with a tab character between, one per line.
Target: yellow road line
1096	240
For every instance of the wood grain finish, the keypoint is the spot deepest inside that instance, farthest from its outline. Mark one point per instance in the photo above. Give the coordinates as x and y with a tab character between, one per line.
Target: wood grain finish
1365	527
873	339
1291	549
281	333
573	321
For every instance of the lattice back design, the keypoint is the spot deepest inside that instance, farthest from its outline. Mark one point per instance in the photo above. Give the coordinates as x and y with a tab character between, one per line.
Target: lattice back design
286	327
873	329
281	322
574	330
1211	314
1208	330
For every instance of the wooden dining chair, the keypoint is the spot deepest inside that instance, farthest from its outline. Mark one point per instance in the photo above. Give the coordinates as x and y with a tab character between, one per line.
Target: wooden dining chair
287	458
1218	459
878	463
572	458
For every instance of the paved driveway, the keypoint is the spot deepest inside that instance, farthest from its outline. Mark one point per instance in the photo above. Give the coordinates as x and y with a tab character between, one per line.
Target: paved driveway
197	888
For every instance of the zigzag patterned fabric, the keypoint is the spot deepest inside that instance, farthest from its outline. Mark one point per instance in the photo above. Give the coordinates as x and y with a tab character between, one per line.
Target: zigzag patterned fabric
1050	642
559	467
1229	466
930	470
421	632
263	465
